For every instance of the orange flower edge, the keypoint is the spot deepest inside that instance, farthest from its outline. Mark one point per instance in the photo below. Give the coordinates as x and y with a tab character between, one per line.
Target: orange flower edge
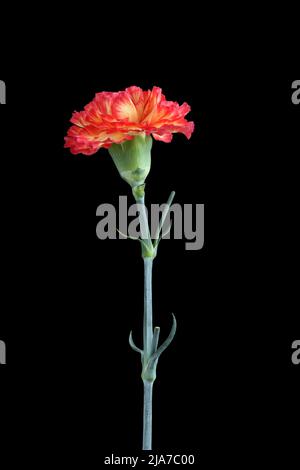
113	118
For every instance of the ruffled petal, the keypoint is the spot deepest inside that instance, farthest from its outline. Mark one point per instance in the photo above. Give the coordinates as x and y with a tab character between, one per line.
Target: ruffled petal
163	137
123	108
137	97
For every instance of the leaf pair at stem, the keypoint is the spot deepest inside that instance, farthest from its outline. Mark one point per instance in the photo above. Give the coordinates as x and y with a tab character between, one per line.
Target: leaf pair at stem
150	363
149	245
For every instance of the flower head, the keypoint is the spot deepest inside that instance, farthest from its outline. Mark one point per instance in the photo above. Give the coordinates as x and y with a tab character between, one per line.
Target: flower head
114	118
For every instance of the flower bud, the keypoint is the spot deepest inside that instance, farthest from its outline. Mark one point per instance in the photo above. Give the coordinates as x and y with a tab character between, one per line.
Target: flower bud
133	159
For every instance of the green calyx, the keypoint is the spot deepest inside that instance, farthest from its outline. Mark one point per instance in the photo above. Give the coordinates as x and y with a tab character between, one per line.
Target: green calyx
133	159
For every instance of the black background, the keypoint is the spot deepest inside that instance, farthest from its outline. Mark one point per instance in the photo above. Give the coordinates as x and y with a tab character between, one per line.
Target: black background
226	388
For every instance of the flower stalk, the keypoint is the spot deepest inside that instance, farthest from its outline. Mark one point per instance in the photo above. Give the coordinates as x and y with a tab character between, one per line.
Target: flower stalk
148	379
148	256
151	352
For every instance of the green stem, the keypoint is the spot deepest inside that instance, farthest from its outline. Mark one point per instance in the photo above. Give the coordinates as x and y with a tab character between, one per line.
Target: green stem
148	379
147	427
148	250
151	352
148	323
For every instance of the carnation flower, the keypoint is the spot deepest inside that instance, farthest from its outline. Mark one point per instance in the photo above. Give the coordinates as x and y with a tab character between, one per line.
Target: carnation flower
125	123
114	118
